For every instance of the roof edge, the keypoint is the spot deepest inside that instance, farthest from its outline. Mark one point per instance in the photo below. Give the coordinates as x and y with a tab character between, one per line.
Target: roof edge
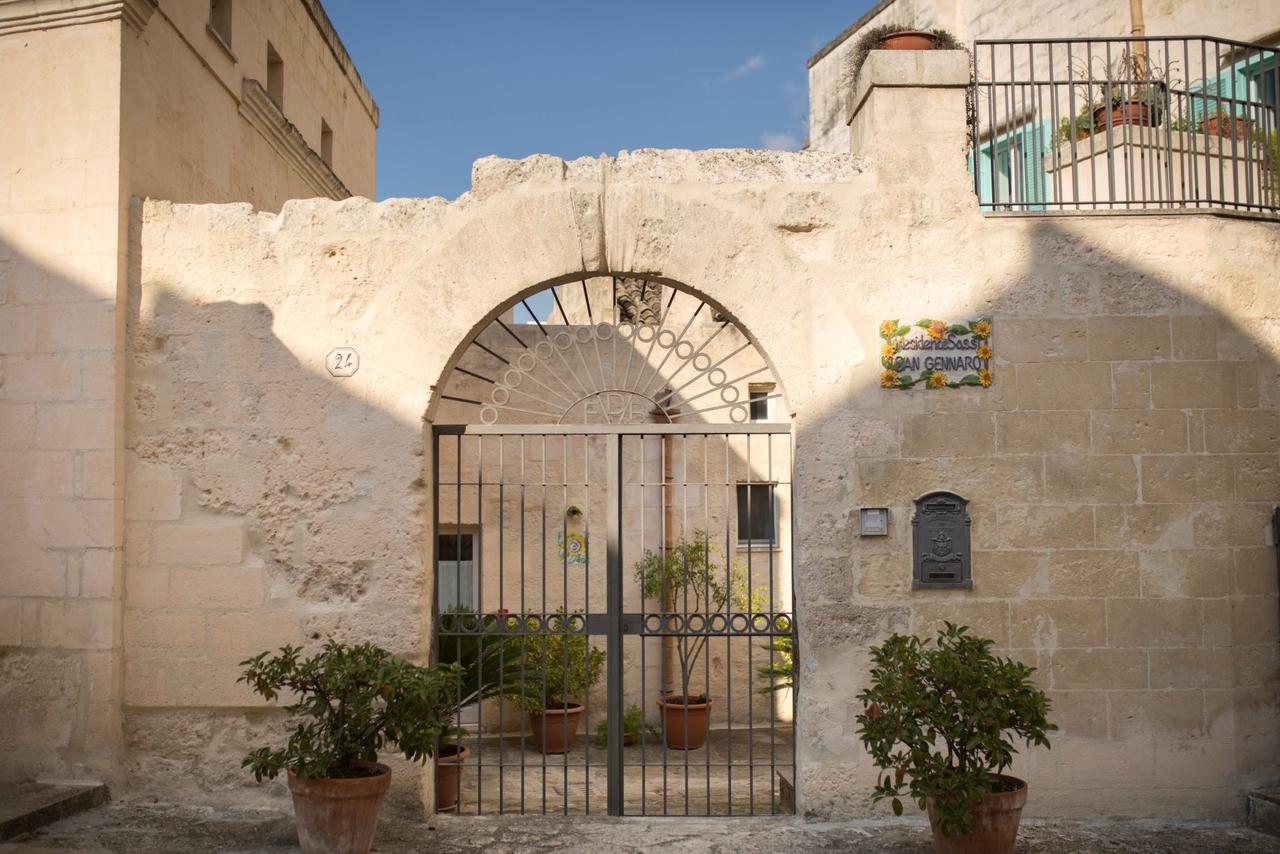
330	35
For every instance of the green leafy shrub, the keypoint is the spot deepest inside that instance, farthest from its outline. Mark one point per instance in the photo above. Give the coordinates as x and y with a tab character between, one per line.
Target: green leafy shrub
695	584
559	666
1079	126
936	717
633	725
354	700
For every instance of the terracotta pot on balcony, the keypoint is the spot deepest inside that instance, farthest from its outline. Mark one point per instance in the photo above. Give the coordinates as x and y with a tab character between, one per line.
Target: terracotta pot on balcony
448	769
1227	127
995	822
1135	111
908	40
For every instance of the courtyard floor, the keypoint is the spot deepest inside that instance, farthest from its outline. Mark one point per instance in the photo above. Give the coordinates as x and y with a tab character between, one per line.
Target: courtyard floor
735	771
149	828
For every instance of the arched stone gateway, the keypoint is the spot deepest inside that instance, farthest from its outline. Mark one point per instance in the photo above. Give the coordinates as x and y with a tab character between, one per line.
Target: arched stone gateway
613	494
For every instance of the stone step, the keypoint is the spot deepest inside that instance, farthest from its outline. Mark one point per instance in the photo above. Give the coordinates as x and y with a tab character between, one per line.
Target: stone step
1264	810
25	807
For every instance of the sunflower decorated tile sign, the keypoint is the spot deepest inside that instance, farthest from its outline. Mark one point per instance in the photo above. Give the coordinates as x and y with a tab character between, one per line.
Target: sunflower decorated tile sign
935	354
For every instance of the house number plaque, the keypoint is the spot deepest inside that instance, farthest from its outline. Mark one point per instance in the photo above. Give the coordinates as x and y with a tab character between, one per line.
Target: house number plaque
342	361
940	541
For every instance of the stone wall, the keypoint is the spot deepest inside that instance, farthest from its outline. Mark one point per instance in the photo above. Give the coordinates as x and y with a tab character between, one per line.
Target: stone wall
101	102
1121	468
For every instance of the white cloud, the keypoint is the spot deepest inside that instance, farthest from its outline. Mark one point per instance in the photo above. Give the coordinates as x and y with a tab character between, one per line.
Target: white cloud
752	63
779	141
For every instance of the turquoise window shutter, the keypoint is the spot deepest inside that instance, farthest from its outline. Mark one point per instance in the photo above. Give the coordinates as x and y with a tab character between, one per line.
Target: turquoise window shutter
1035	146
984	173
1011	169
1217	94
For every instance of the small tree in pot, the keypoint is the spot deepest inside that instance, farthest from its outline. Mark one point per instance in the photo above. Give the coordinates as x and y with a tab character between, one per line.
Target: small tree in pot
353	701
559	668
688	582
936	719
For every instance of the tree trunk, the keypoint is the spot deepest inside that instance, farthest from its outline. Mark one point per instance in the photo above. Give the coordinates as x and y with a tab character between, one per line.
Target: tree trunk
1138	29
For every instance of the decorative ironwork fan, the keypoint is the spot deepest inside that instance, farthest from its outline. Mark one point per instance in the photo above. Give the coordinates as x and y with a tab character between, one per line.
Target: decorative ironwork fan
611	349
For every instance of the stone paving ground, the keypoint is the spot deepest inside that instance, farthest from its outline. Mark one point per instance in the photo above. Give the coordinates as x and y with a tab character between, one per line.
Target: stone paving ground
739	769
153	828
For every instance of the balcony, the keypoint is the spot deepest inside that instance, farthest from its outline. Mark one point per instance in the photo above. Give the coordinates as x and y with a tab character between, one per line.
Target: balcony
1155	124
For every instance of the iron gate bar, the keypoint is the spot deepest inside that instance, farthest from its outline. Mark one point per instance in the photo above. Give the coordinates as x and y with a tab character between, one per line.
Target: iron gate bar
613	594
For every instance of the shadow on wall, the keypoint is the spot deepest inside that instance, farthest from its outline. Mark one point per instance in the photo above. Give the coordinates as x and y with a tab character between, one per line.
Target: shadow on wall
269	502
1122	473
300	518
59	659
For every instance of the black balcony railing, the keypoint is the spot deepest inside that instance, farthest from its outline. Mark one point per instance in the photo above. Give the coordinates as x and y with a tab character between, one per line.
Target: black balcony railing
1138	124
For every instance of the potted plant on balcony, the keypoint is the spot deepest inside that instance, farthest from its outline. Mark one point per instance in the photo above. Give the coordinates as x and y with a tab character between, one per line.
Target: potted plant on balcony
559	669
936	720
1133	92
1077	127
352	701
1221	123
488	662
896	37
689	584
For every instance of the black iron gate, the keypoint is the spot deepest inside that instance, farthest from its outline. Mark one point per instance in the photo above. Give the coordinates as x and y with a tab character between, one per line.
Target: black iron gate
641	573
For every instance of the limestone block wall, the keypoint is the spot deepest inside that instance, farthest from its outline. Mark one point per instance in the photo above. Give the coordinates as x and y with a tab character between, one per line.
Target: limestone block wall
102	102
829	107
60	423
1121	468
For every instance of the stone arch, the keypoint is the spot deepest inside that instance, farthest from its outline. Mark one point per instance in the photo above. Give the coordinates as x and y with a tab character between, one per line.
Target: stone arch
520	300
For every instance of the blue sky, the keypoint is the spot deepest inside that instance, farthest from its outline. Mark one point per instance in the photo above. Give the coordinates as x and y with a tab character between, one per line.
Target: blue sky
459	80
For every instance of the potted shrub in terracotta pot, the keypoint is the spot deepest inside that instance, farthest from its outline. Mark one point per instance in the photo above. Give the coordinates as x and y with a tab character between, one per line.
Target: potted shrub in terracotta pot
560	668
896	37
1142	105
352	701
937	720
488	662
1128	91
685	579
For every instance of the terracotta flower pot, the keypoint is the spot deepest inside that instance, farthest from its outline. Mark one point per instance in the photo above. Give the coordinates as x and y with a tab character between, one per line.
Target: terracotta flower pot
448	771
555	729
1225	126
1132	112
339	815
908	40
995	823
684	724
